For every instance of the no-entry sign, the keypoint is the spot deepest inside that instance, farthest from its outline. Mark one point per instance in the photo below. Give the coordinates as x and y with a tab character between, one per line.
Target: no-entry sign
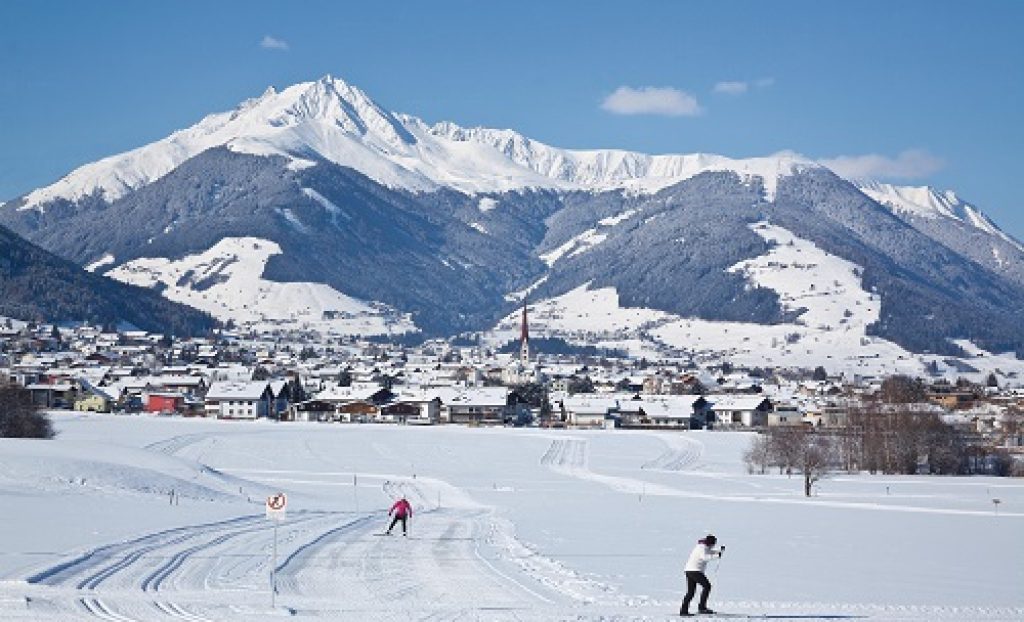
276	505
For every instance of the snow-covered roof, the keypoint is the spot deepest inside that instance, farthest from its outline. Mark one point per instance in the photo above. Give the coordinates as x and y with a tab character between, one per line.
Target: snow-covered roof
102	392
220	391
665	410
735	402
589	404
353	392
60	386
481	396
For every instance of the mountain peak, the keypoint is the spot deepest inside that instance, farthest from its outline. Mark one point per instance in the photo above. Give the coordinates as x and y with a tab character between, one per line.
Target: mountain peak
331	119
928	202
332	101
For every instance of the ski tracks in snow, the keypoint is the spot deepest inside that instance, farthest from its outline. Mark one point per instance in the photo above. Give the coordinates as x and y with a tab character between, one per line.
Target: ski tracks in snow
173	445
566	455
144	575
457	564
682	454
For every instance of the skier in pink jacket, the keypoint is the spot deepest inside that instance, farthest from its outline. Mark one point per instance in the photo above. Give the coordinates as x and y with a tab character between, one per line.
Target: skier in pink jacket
402	511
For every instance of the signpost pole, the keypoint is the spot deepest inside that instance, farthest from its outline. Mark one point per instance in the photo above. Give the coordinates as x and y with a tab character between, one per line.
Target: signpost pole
273	572
276	505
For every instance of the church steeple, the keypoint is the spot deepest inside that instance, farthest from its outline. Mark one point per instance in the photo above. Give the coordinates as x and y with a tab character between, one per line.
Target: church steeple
524	337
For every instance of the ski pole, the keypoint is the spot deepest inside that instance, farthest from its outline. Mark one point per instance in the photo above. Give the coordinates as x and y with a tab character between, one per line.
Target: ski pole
718	563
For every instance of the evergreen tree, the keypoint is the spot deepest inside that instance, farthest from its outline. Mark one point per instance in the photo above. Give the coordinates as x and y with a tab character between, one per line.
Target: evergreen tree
19	417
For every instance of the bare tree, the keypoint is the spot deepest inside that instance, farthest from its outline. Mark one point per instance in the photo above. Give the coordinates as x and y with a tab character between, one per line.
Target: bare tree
784	448
758	456
817	456
806	450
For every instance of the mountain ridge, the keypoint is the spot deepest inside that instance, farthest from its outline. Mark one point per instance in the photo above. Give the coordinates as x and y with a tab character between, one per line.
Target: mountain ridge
454	226
255	124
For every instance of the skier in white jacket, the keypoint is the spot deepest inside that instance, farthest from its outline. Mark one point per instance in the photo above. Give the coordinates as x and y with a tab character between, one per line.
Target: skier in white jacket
695	565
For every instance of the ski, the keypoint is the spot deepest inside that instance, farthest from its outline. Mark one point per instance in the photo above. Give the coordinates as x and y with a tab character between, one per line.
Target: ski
777	616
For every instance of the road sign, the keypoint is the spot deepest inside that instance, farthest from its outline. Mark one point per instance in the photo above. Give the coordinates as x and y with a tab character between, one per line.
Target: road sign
276	505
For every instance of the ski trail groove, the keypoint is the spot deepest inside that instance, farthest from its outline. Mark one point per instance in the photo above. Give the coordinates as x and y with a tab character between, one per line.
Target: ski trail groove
63	572
304	552
680	457
566	454
175	444
156	579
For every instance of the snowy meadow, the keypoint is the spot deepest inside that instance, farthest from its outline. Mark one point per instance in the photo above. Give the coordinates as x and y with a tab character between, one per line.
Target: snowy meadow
142	518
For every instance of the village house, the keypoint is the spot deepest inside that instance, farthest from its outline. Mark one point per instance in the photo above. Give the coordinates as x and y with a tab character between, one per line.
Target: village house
357	403
401	412
238	400
588	410
358	411
56	395
427	403
477	406
684	412
312	410
784	414
164	402
93	399
194	385
748	411
827	414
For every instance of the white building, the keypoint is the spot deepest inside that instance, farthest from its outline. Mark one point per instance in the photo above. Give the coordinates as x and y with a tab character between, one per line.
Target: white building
747	411
238	400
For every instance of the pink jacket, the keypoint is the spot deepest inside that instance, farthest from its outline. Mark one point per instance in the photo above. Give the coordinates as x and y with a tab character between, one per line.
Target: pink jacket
401	509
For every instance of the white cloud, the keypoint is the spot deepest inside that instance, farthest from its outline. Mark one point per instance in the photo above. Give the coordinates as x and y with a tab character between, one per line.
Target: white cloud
665	101
739	87
273	43
909	164
732	87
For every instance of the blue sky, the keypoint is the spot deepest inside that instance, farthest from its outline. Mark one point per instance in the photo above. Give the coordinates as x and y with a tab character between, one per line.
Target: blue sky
918	92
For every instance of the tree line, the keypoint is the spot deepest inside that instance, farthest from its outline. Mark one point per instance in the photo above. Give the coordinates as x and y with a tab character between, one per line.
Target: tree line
892	433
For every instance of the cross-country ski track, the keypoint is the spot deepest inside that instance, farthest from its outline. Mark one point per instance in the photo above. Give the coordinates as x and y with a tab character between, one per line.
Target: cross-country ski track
509	525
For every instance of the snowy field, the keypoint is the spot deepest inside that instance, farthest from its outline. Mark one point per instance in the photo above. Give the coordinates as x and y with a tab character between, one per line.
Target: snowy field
510	525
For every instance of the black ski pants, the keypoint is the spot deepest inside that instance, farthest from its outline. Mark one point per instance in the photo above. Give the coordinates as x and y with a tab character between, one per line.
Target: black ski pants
396	519
693	579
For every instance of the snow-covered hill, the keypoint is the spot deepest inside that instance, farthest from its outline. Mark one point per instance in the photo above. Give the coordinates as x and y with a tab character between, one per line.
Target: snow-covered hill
826	293
225	282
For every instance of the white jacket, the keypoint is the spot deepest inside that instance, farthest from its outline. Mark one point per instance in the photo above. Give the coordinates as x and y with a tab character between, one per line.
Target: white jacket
700	556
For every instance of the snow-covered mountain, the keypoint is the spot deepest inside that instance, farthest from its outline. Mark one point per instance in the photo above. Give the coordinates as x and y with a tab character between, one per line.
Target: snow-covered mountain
335	121
927	202
338	122
402	225
952	222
